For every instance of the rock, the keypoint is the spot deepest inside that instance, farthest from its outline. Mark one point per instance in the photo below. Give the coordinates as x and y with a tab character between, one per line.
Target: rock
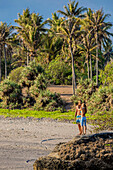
87	152
97	164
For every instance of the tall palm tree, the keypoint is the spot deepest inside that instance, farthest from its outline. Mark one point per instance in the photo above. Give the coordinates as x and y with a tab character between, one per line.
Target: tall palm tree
69	29
5	37
51	47
86	48
29	31
99	28
87	45
54	23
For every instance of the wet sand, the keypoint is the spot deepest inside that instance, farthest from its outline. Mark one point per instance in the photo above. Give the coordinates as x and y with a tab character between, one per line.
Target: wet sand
22	141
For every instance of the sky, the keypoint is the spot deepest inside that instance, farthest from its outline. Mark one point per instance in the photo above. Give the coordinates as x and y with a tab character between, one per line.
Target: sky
9	9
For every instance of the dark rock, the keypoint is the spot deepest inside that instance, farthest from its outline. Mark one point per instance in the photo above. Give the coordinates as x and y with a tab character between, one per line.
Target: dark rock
87	152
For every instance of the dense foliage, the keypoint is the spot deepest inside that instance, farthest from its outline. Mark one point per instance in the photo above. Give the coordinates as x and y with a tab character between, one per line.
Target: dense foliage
83	43
15	75
30	91
100	108
75	49
59	72
11	94
49	101
99	100
106	75
29	74
84	91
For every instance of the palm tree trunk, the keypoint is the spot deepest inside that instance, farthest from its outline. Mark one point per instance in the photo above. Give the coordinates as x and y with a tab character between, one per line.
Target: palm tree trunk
97	60
5	61
88	65
27	59
30	58
73	72
90	68
10	59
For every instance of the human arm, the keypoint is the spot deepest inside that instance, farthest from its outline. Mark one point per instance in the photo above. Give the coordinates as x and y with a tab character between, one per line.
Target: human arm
75	113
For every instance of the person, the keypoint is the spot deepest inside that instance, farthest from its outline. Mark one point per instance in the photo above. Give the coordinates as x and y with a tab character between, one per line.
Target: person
83	118
78	115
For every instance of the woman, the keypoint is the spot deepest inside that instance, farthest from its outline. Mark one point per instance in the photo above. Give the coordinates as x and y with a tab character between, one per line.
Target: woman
83	118
78	115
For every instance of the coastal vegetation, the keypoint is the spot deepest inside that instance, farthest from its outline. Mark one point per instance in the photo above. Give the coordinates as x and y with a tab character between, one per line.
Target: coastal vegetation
73	47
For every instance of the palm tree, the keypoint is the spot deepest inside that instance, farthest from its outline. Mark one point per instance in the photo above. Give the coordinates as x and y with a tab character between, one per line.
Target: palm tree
108	53
86	48
30	31
87	45
5	37
69	29
99	29
54	23
51	47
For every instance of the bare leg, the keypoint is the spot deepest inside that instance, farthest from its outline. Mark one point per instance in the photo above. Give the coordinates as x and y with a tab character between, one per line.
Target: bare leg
85	129
79	127
81	130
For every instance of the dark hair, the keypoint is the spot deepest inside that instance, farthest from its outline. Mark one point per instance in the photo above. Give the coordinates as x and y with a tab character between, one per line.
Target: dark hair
85	108
76	103
80	101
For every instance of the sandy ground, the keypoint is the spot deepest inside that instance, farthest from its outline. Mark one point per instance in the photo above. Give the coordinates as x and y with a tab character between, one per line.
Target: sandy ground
65	92
22	141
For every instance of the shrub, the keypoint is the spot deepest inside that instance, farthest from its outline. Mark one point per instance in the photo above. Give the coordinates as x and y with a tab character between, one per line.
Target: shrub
100	108
84	90
59	72
15	75
28	101
29	74
40	84
106	75
99	103
102	100
11	94
49	101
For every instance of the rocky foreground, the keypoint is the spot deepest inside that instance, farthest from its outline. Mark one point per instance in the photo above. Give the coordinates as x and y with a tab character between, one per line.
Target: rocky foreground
82	153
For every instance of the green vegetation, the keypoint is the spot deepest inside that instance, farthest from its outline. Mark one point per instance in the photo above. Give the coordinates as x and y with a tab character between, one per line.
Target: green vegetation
59	72
49	101
99	100
106	75
15	75
76	49
100	108
85	89
29	74
37	114
11	94
80	37
30	91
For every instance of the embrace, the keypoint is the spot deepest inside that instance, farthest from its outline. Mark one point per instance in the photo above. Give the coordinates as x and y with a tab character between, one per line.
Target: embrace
80	117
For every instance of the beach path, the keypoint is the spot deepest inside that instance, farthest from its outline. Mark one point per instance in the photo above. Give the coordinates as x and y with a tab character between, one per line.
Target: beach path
22	141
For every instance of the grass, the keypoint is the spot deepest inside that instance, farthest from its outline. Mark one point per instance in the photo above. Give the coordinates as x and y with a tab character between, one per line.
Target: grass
37	114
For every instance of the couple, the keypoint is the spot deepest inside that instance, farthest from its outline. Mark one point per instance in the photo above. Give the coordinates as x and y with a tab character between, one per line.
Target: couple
80	117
